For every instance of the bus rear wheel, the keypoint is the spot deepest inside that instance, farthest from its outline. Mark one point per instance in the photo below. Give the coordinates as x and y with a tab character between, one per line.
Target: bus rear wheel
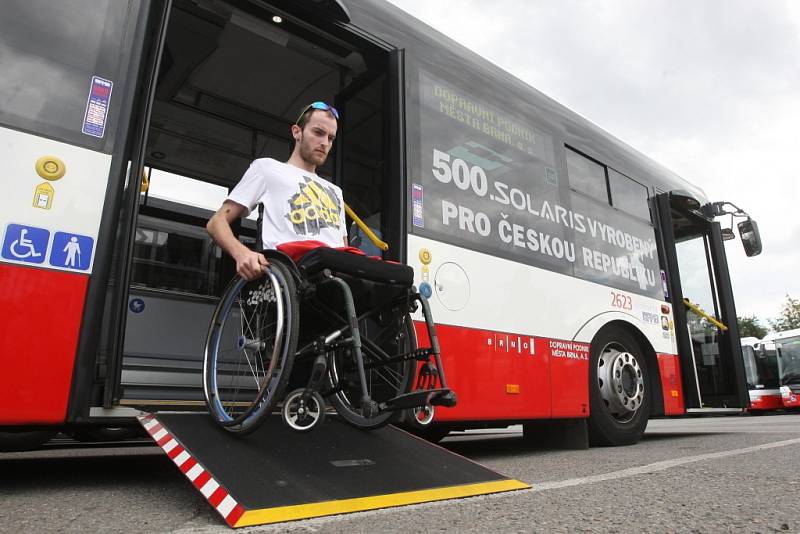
619	389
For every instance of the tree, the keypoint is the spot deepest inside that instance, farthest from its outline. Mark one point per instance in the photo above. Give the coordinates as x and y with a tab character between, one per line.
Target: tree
789	318
750	327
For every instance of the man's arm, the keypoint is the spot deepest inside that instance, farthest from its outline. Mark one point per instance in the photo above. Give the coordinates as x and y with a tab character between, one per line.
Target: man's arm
249	264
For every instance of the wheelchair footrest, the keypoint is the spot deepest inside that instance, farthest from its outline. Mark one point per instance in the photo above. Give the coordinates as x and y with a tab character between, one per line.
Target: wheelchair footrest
418	398
447	398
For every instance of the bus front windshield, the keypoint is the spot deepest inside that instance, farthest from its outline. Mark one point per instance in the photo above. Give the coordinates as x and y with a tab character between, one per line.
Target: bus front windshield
790	360
761	368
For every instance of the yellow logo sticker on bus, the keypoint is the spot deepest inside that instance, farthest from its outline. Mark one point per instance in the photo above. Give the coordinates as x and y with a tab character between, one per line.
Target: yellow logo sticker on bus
50	168
425	256
43	196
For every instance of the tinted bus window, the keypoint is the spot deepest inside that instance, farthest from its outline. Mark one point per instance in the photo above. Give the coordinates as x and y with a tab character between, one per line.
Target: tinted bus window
628	195
486	178
174	256
586	176
62	67
615	249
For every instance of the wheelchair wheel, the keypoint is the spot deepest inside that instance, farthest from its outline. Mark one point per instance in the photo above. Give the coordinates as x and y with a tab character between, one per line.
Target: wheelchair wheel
384	380
303	416
250	349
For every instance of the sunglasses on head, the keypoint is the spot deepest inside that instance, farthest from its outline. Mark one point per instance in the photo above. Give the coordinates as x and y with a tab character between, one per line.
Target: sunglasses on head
318	105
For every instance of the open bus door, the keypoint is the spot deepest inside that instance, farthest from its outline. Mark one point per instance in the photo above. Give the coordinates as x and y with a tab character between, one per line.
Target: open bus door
706	329
201	129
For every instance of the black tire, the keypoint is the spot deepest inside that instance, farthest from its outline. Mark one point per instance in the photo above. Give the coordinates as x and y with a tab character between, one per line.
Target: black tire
24	441
384	381
250	350
619	389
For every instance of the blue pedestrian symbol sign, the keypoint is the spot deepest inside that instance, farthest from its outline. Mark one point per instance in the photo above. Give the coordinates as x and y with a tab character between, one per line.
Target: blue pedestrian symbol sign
25	243
71	251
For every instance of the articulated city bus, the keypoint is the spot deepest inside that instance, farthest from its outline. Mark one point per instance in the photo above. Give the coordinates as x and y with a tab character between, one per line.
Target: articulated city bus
556	259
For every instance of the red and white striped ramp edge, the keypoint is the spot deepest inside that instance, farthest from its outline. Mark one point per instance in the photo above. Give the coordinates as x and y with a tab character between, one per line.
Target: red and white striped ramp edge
216	495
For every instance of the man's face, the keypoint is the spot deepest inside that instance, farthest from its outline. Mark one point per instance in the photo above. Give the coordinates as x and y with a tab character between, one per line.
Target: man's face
315	139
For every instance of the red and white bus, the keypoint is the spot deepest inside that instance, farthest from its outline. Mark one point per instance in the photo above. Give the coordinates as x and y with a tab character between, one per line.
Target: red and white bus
555	257
763	375
786	346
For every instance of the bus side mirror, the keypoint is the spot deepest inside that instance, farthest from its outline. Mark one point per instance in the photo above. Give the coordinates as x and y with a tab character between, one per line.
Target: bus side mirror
751	239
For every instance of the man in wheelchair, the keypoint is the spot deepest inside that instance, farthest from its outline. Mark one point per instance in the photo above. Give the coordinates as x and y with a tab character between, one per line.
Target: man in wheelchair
357	344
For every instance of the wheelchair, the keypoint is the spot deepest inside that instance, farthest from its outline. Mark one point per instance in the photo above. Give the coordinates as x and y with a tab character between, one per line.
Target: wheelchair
334	328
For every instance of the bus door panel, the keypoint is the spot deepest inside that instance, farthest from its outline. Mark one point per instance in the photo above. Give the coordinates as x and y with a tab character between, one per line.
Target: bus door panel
711	358
369	158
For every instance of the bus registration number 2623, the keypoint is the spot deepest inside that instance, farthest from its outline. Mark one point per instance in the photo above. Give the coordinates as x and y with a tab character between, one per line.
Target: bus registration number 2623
621	301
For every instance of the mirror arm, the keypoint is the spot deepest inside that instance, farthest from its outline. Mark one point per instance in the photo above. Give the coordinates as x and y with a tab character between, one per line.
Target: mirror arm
716	209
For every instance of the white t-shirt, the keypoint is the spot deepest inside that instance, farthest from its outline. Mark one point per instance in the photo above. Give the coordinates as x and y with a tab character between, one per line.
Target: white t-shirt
298	205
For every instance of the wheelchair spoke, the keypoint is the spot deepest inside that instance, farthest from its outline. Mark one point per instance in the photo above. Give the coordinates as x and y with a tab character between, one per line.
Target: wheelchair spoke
387	377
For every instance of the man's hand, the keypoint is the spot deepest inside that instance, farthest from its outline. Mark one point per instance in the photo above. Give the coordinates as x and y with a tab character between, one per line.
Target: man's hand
250	265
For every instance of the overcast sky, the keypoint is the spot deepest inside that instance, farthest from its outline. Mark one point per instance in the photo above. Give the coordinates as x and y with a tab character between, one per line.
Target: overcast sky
708	88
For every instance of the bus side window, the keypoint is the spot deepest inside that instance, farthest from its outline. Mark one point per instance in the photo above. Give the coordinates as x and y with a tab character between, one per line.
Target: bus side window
586	176
628	195
55	55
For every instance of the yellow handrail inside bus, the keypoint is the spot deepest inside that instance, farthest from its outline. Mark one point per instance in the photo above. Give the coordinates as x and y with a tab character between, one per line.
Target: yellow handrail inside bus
364	228
145	180
702	313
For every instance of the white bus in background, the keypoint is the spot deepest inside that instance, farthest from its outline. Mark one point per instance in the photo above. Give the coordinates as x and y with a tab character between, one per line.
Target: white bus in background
786	344
761	369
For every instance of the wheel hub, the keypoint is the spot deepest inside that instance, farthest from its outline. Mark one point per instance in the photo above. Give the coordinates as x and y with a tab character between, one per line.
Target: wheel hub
246	343
621	382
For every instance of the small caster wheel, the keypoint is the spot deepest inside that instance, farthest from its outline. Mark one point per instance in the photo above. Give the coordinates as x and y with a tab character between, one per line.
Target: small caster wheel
302	415
424	414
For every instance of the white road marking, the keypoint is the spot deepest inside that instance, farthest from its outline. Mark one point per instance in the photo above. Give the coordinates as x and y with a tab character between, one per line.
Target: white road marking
657	466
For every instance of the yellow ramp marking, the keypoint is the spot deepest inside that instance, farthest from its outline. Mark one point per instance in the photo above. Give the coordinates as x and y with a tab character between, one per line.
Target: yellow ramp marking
360	504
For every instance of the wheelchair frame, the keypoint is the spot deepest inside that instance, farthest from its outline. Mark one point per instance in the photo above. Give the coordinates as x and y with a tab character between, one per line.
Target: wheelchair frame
290	288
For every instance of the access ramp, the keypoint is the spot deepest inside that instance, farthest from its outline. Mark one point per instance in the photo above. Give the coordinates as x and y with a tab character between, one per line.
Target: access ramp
276	474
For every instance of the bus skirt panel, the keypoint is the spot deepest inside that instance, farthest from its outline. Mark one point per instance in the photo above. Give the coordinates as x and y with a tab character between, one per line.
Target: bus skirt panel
41	316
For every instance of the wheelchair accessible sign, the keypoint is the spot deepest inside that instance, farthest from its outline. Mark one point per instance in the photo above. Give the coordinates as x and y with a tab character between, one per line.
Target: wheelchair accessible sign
29	244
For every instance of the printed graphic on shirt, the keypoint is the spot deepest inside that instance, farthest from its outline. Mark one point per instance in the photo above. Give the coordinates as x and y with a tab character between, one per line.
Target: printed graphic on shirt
313	208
